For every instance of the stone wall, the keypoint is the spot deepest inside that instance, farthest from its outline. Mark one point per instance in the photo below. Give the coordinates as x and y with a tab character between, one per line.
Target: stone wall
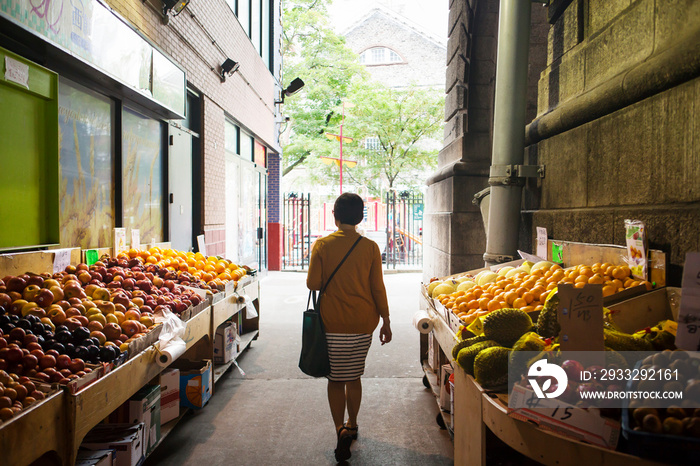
454	232
617	126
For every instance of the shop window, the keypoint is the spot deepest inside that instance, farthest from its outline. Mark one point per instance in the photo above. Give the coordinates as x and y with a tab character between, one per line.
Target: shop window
86	167
142	175
246	146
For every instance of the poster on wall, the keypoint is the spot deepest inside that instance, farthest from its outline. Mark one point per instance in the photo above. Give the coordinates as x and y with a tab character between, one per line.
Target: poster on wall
86	193
93	32
142	172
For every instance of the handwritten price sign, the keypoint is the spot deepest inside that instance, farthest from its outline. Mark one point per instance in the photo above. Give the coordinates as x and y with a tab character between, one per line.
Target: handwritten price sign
580	315
688	336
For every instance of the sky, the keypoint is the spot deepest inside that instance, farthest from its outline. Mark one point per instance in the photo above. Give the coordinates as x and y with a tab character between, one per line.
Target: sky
431	15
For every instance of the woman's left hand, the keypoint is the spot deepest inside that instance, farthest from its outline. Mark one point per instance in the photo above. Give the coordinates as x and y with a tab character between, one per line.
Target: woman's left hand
385	332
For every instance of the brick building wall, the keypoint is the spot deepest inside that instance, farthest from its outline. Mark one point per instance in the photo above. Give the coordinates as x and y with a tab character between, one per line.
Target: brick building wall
247	96
423	57
274	212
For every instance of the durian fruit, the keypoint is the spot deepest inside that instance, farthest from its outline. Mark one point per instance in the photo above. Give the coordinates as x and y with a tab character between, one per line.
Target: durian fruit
465	357
619	341
466	343
506	326
491	367
547	322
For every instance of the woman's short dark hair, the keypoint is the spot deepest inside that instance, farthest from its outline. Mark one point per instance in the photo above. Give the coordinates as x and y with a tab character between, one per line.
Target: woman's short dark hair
349	209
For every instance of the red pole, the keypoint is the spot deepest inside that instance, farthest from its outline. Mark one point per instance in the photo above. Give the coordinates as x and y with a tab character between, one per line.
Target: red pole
341	149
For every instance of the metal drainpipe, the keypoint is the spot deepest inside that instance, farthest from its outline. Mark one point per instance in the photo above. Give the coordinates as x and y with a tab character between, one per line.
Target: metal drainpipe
508	131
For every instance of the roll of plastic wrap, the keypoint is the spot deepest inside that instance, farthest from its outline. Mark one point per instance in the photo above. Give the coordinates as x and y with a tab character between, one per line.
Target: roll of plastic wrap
173	350
422	322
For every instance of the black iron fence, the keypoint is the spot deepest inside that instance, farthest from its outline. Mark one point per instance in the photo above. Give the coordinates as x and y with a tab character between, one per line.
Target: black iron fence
404	230
296	243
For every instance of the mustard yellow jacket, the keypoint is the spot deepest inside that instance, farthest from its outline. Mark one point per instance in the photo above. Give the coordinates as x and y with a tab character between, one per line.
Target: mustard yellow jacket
356	297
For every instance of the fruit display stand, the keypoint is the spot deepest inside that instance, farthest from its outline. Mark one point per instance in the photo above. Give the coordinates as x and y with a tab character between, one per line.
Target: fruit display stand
62	420
477	411
47	424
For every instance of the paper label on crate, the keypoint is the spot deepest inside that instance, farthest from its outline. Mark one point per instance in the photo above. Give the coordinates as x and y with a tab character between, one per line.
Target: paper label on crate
135	239
119	240
688	336
16	72
61	260
580	315
201	244
635	237
558	253
476	327
91	256
565	418
541	250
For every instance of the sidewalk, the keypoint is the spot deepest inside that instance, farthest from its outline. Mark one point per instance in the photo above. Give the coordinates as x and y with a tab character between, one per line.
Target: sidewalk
277	415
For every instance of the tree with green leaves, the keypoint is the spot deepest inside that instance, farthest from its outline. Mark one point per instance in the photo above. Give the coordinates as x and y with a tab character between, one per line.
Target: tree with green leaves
402	122
316	54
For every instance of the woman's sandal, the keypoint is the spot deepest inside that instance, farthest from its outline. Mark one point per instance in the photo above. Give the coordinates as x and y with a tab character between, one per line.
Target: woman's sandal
342	449
352	430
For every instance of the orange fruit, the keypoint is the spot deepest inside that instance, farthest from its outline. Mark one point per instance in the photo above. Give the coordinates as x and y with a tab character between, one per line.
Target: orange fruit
484	303
539	307
585	270
477	292
580	284
493	305
511	296
519	303
473	304
609	290
596	279
527	308
581	279
528	297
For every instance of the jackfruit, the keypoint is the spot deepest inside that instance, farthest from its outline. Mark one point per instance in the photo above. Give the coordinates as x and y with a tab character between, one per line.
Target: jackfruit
466	344
491	367
619	341
522	349
659	338
506	325
613	357
465	357
547	322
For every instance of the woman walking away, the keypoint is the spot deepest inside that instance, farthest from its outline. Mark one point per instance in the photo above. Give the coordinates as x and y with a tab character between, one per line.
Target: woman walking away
350	308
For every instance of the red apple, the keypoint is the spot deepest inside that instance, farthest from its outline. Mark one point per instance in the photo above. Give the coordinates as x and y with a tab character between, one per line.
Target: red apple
44	298
63	361
47	361
29	361
77	365
17	284
72	323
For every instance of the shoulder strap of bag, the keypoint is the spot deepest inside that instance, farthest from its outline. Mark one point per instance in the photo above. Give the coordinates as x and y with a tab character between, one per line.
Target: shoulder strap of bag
336	269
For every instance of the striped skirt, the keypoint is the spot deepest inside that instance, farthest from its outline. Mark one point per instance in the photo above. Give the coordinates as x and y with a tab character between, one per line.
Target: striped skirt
347	353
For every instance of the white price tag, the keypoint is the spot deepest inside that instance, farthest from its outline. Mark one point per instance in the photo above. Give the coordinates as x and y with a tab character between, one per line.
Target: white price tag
688	336
61	260
17	72
541	250
135	239
201	244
